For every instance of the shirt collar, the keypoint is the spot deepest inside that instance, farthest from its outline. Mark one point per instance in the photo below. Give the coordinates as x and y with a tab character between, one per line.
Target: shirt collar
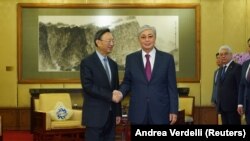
100	56
151	53
228	63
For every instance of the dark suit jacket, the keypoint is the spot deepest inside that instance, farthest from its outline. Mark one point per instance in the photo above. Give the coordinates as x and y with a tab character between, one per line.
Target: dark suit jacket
160	93
97	91
244	90
228	88
215	85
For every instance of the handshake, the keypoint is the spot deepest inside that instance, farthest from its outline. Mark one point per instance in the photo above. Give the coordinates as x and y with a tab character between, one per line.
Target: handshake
117	96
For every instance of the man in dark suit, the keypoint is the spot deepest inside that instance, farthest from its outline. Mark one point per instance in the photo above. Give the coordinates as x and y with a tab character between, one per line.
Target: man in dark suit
150	78
228	87
244	92
99	77
215	80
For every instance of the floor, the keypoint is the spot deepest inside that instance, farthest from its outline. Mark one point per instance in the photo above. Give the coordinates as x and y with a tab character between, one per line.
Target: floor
17	136
25	136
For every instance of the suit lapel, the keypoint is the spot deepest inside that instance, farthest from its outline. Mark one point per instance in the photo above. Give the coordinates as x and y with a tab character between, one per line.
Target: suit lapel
113	71
216	76
244	74
99	65
156	64
228	70
230	67
140	64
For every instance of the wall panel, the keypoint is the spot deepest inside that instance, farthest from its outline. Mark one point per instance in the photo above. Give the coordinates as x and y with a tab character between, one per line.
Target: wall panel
234	24
211	39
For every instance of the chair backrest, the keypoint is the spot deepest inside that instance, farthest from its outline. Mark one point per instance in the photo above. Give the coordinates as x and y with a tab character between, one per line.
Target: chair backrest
187	103
36	104
48	101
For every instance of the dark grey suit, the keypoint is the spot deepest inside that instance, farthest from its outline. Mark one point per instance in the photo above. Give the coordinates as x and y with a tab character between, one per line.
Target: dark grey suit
215	85
97	93
228	90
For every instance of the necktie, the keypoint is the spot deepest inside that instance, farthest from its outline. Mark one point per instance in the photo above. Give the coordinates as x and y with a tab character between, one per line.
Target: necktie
148	67
105	60
223	72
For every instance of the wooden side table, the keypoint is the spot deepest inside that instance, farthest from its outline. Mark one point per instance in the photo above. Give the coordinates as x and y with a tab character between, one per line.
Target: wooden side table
123	130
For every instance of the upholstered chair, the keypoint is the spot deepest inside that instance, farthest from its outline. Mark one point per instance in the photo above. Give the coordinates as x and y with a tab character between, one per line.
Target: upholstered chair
187	103
55	119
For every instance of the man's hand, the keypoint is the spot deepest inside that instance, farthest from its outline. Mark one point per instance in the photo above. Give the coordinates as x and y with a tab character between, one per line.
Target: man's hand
118	120
172	118
117	96
240	110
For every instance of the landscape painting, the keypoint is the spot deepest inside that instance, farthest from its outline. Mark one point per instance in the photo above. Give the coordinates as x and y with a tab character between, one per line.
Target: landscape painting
65	40
52	39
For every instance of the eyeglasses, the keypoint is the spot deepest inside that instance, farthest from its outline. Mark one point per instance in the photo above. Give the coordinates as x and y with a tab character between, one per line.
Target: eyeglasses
109	41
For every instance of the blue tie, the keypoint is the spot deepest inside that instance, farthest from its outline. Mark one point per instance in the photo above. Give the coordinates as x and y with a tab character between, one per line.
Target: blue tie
223	72
105	60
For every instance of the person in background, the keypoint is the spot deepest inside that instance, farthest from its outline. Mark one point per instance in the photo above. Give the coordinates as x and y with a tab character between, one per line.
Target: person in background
150	78
248	45
244	89
240	58
215	80
99	77
228	87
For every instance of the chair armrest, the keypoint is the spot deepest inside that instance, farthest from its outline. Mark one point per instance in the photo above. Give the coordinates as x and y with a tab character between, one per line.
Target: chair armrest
42	121
39	121
77	115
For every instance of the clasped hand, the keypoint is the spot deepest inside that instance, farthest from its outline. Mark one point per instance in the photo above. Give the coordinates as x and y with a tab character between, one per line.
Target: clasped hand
117	96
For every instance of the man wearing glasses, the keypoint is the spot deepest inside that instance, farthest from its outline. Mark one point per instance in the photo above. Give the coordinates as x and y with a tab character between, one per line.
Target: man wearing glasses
99	77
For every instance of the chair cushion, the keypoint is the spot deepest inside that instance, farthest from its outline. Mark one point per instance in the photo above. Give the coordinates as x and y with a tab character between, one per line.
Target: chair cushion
189	119
60	112
66	124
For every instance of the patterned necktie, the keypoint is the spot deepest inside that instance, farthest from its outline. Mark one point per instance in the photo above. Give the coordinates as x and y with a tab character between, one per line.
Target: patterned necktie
105	60
148	67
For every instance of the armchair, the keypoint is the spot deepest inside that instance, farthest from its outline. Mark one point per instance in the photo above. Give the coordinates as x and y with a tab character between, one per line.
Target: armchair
54	118
187	103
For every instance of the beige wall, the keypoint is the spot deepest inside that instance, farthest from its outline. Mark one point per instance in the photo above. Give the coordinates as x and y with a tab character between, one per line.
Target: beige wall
222	22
